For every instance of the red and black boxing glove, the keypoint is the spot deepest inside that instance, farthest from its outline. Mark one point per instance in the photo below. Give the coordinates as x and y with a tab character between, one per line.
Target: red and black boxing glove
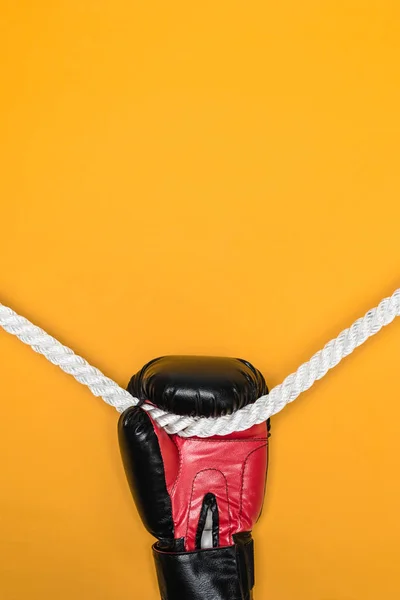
200	497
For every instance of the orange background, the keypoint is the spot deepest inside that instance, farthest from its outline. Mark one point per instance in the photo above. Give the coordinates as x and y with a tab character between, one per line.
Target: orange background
213	178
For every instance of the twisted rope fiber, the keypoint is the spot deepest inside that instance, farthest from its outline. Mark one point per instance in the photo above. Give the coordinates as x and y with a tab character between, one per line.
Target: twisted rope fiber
296	383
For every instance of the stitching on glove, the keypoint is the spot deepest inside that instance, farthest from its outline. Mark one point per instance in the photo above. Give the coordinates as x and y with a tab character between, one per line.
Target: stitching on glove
242	486
173	487
227	498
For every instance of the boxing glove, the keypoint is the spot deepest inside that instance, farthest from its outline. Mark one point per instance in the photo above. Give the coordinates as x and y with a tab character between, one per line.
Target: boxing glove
200	497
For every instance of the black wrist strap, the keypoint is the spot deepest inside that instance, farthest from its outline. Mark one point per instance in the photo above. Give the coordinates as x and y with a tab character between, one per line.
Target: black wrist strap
216	574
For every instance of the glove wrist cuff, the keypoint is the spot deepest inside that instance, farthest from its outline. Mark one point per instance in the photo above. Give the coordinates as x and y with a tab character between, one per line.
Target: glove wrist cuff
225	573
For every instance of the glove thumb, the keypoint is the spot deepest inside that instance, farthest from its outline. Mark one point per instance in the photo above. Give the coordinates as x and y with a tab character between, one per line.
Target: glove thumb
151	461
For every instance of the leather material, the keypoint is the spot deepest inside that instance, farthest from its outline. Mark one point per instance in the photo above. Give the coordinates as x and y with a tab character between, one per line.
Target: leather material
198	385
219	574
144	467
231	468
176	480
169	477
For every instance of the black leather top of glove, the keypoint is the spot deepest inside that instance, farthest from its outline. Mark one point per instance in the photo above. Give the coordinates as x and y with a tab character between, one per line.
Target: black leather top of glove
198	385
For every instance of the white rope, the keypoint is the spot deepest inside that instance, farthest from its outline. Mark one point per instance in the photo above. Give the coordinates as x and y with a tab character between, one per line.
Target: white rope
66	359
296	383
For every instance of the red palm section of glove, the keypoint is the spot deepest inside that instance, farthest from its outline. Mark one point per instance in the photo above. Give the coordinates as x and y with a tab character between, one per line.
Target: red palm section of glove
224	474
